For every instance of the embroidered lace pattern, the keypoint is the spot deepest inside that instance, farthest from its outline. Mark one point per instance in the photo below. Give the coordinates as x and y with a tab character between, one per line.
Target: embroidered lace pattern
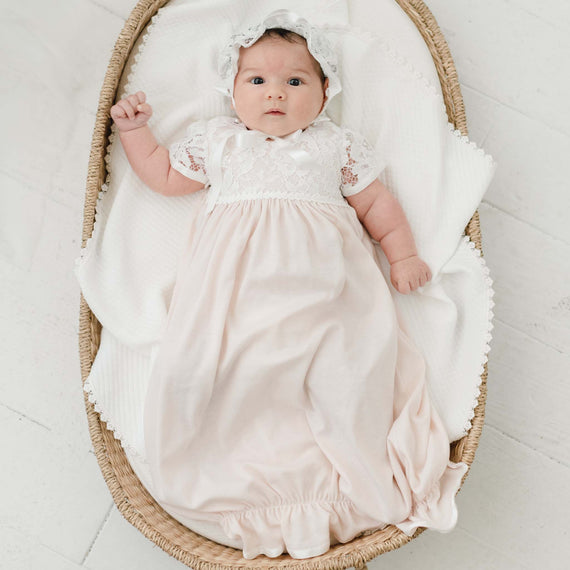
337	162
189	155
360	166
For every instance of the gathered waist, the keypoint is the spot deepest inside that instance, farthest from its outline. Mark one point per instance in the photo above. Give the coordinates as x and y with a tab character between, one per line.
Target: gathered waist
230	197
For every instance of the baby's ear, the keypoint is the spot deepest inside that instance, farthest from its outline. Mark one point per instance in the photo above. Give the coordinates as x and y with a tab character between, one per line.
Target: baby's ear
325	87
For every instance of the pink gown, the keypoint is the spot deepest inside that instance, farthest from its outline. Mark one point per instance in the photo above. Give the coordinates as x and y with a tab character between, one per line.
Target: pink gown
286	408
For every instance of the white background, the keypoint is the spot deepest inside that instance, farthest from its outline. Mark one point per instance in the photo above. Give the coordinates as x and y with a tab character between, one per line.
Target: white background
55	510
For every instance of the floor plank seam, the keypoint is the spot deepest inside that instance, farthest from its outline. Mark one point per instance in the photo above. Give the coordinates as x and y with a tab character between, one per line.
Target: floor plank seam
525	333
106	9
528	446
527	223
514	109
99	530
21	414
502	553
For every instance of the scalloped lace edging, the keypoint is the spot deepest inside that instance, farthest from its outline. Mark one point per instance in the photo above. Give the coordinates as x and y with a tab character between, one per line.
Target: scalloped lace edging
465	139
488	336
117	433
85	251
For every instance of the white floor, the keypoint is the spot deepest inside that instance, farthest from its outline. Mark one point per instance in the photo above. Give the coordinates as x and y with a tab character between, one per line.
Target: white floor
55	510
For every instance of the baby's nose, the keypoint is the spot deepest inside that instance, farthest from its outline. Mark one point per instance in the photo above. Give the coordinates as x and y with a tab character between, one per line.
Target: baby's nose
275	93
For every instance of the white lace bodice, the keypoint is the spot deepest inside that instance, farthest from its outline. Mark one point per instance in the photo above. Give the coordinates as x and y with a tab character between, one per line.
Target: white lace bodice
322	163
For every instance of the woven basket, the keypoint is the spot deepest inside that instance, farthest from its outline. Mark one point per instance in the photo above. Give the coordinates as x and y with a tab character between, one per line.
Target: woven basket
131	498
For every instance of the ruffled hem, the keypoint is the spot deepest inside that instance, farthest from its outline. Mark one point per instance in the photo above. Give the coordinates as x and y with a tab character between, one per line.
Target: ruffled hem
303	530
437	510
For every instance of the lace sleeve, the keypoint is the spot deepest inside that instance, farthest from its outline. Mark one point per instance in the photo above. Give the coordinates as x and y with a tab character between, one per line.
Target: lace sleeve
188	155
360	164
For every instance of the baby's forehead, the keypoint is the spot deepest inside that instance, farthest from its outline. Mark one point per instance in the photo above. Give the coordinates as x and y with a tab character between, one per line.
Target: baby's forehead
293	54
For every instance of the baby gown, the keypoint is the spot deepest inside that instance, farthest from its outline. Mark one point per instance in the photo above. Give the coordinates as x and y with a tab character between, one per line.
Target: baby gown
286	406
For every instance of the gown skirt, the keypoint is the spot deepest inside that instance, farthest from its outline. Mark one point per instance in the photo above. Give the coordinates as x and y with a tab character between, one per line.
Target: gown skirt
285	403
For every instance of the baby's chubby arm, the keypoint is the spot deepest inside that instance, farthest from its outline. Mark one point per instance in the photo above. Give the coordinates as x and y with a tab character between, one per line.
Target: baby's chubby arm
383	217
149	160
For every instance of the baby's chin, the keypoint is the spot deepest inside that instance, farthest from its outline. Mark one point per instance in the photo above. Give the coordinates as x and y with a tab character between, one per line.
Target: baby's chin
274	130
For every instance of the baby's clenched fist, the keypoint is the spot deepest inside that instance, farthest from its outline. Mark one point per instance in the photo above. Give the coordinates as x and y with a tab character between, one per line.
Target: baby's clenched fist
408	274
131	112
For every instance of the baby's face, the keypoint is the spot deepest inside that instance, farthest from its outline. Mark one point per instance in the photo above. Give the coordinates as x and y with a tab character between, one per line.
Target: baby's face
276	74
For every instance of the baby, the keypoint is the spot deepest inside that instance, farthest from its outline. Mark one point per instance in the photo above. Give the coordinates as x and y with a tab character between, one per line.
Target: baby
286	408
279	88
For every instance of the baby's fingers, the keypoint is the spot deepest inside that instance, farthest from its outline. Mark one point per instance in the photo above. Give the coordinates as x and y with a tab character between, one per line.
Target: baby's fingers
424	277
144	108
140	97
136	99
424	274
117	112
127	108
401	284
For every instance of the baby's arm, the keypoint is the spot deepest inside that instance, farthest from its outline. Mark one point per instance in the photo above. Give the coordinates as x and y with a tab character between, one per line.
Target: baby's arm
383	217
149	160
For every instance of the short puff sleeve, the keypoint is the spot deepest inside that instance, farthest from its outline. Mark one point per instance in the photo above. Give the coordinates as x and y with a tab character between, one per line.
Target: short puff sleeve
188	155
360	165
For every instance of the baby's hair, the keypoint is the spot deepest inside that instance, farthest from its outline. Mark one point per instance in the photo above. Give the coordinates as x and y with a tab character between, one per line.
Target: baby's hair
292	37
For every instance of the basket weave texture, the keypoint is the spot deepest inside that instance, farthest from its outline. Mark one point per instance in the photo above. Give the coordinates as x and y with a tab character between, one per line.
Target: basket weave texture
132	499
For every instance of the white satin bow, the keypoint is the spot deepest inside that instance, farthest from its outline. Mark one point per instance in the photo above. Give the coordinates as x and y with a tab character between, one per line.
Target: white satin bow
244	138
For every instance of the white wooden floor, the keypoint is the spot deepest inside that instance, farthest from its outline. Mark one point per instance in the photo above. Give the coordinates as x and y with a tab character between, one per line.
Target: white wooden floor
55	510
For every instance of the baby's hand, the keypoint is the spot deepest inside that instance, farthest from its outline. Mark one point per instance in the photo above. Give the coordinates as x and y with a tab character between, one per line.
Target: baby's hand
409	274
131	112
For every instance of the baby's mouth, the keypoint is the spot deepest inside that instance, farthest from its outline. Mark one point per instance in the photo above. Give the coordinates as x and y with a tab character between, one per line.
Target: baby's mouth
274	112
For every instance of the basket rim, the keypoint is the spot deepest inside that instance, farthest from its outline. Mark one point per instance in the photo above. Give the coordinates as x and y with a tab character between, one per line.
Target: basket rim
131	498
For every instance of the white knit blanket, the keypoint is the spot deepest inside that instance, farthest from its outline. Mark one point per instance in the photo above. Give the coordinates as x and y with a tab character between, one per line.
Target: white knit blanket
391	94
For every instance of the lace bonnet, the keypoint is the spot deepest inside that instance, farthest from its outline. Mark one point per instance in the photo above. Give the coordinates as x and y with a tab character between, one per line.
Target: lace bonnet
317	43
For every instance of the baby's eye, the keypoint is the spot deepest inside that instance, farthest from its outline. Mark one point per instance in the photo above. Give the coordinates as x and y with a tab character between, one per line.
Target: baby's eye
255	82
297	80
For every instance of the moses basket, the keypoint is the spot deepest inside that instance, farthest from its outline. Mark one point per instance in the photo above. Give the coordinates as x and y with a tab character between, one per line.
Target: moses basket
130	496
